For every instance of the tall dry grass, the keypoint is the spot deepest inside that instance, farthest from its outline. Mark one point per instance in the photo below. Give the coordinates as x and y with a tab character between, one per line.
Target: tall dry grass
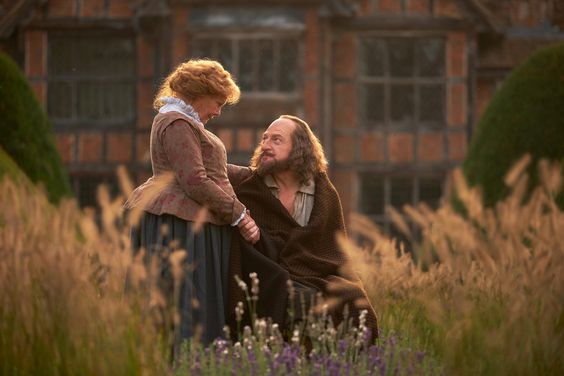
486	294
62	304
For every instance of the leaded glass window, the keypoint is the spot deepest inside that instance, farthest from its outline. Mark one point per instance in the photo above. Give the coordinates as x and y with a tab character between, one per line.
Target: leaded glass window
379	191
259	63
402	83
91	80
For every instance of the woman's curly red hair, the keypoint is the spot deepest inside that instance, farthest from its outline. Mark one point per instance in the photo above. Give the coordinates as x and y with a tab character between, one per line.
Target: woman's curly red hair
196	78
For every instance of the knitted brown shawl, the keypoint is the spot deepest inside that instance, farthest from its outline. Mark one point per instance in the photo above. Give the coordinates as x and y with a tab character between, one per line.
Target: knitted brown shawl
309	255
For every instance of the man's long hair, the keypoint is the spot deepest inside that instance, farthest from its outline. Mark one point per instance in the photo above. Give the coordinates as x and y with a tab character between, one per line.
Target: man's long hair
307	158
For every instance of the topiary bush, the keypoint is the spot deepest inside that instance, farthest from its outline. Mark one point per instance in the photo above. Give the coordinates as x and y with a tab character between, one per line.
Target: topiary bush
525	116
25	132
7	165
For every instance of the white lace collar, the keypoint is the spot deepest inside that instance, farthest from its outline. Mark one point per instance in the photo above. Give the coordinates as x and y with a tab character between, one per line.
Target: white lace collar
178	105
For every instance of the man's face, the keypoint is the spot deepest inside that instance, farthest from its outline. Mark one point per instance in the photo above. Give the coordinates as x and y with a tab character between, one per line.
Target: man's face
276	146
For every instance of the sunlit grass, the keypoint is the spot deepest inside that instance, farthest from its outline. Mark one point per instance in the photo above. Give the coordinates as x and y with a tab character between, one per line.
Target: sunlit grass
484	296
62	309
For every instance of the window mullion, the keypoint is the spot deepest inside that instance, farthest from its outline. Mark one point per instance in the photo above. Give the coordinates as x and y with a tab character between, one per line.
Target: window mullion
276	64
215	48
415	193
255	65
387	201
74	101
235	52
387	88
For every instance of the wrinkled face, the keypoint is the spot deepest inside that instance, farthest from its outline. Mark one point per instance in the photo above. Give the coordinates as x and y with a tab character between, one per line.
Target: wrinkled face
208	107
276	146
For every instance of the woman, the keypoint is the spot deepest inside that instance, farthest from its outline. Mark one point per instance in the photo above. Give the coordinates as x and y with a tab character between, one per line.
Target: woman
199	189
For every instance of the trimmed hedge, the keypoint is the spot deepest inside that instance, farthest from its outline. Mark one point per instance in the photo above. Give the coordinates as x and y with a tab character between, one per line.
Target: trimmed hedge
526	115
25	132
8	166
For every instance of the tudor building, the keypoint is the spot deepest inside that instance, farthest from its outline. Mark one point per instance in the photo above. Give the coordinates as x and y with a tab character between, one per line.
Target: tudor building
393	88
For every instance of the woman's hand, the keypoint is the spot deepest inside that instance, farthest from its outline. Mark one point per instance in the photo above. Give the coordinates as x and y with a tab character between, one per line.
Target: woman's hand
249	229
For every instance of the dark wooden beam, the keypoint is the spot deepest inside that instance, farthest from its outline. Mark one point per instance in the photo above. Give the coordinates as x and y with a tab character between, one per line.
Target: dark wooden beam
65	23
403	23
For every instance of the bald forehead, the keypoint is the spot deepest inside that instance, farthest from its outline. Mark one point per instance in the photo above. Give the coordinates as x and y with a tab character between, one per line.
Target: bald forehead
281	126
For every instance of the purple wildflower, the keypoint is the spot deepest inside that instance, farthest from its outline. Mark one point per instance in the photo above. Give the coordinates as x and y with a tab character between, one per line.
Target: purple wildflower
252	361
419	355
333	367
341	347
373	357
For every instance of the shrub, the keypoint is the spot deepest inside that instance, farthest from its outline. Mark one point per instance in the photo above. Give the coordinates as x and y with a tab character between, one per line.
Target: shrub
524	117
7	165
25	132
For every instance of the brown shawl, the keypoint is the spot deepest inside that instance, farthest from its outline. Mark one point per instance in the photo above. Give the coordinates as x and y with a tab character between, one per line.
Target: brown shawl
309	255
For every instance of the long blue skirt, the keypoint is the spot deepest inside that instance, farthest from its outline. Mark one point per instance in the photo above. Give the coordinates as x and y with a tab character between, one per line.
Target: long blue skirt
203	288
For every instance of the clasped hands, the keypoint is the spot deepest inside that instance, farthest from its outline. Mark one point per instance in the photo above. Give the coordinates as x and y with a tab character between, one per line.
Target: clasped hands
249	229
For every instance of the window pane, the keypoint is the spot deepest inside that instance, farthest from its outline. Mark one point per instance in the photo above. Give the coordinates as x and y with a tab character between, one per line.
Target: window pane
246	57
288	65
240	15
202	48
266	62
372	194
121	56
87	187
119	101
401	192
402	103
401	60
431	55
90	101
432	103
430	191
59	100
98	74
61	56
374	102
92	58
97	56
373	55
225	53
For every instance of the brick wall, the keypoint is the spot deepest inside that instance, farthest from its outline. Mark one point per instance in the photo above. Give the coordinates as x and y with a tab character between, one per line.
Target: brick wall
356	149
351	146
91	151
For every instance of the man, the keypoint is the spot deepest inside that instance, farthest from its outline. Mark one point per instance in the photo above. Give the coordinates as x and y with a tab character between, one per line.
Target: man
298	213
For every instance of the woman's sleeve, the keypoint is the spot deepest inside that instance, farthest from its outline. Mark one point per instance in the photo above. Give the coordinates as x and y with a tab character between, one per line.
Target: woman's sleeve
237	173
183	150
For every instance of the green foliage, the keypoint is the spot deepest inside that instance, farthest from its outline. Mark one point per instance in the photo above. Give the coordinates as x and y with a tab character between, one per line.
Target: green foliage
25	132
524	117
7	165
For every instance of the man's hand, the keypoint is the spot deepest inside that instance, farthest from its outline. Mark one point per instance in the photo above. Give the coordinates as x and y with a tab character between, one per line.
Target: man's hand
249	229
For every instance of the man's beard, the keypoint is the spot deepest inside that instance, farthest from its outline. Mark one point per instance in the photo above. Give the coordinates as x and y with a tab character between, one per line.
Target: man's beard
272	166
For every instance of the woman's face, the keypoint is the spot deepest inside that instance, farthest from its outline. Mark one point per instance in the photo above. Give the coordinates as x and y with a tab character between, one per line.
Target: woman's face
208	107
